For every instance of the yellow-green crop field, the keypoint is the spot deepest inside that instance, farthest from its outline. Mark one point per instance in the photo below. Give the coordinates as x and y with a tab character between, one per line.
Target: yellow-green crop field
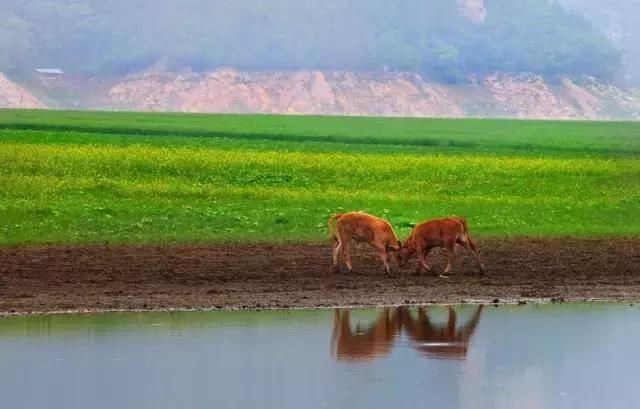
71	177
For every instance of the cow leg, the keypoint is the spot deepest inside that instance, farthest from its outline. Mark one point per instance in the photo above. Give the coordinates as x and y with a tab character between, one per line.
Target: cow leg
346	253
384	256
421	255
451	324
451	256
470	245
337	247
472	248
445	250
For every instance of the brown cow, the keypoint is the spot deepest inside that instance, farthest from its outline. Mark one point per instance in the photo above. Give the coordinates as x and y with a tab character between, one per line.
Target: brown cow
361	227
372	343
445	232
438	341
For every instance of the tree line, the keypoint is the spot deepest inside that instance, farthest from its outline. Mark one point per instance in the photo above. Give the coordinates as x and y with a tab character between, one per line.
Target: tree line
431	37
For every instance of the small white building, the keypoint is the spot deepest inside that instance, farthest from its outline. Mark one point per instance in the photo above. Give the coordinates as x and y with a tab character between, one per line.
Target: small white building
50	72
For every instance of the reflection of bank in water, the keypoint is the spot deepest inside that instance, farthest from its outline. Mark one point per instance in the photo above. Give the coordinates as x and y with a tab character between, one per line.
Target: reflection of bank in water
444	341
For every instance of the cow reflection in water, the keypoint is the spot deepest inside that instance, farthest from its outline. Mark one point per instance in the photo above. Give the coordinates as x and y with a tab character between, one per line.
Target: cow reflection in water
363	345
440	341
444	341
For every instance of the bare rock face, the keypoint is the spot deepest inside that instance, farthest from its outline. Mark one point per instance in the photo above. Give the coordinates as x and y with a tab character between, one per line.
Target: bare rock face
304	92
528	96
614	102
14	96
589	104
379	94
474	10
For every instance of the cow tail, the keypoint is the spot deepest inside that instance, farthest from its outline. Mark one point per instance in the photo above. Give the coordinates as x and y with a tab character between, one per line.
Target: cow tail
465	226
333	220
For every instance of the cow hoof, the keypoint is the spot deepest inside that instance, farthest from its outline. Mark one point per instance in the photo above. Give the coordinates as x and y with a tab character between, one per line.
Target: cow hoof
443	276
418	272
335	270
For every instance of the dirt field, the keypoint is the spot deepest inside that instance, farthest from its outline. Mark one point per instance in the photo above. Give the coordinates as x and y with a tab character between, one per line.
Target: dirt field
46	279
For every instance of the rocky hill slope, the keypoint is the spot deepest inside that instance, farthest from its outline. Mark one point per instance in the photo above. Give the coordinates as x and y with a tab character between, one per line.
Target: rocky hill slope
335	93
384	94
13	95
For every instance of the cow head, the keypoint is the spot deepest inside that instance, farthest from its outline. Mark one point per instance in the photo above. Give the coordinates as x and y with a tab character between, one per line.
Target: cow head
394	248
404	254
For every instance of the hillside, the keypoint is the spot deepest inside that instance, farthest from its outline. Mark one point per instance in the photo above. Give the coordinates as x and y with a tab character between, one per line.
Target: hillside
442	40
377	94
333	93
559	59
12	95
614	19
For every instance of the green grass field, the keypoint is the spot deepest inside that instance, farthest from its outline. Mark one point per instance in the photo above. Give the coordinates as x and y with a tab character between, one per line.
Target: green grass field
87	177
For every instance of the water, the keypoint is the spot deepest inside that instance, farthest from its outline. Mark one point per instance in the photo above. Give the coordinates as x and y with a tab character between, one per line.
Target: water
568	356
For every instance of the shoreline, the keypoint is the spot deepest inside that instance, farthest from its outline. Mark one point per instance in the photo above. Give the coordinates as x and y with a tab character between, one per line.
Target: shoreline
500	303
99	278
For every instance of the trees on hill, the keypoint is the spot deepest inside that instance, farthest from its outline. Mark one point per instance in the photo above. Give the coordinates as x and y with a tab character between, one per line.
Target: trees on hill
427	36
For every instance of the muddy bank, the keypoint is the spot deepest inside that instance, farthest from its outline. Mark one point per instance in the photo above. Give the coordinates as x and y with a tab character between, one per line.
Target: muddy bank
45	279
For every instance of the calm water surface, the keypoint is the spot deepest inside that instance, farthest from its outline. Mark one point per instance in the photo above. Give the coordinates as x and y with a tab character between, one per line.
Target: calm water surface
564	356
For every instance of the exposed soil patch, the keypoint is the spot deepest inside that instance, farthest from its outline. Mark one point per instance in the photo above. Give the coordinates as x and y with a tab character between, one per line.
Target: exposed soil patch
45	279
